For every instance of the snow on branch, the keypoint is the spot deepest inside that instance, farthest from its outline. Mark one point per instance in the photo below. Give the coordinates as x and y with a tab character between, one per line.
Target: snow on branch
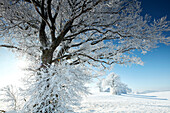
61	88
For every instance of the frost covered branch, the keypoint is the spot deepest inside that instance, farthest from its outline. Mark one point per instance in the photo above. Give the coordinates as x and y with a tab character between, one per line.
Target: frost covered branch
9	96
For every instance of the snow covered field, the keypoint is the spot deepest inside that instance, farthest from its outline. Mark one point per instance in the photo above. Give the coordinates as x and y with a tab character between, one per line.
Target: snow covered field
157	102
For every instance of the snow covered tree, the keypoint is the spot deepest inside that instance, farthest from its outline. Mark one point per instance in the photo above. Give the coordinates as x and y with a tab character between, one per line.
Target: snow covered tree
117	87
9	97
58	90
98	33
113	82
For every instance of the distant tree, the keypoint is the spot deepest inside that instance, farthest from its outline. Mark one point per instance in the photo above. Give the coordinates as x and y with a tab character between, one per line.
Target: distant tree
117	87
98	33
100	85
113	82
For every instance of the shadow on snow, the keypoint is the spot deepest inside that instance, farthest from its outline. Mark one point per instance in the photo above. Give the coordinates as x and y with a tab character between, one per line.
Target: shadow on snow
144	97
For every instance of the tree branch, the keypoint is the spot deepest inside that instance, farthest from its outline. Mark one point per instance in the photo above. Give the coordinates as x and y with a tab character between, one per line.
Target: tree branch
36	2
9	46
42	15
60	37
88	9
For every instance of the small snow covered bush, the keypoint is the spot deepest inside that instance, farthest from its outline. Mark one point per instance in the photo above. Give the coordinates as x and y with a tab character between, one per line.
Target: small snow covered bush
56	89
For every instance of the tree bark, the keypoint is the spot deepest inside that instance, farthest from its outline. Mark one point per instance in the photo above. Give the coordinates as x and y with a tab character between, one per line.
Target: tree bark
46	57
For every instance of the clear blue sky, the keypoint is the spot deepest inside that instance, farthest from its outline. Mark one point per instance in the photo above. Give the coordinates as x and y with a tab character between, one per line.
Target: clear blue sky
155	74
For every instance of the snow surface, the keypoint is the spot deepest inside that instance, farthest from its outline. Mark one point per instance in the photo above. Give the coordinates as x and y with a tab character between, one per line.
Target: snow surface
104	102
157	102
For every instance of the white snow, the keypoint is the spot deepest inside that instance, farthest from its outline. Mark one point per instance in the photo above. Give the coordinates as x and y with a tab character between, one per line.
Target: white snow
157	102
104	102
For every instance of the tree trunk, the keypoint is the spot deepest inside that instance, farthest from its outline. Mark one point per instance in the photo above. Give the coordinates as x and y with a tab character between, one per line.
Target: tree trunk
46	57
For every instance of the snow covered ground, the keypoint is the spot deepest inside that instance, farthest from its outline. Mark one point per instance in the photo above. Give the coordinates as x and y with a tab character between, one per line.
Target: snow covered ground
156	102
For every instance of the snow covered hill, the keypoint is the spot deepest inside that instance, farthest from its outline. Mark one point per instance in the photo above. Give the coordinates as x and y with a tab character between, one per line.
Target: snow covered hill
157	102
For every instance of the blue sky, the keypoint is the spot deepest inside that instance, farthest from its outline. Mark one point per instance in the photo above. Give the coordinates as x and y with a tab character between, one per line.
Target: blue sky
154	75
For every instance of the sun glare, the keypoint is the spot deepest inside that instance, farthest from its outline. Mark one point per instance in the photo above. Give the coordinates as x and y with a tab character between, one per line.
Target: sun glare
21	64
14	75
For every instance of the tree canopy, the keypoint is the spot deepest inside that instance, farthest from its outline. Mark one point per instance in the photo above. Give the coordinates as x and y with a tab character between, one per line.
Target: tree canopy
97	32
